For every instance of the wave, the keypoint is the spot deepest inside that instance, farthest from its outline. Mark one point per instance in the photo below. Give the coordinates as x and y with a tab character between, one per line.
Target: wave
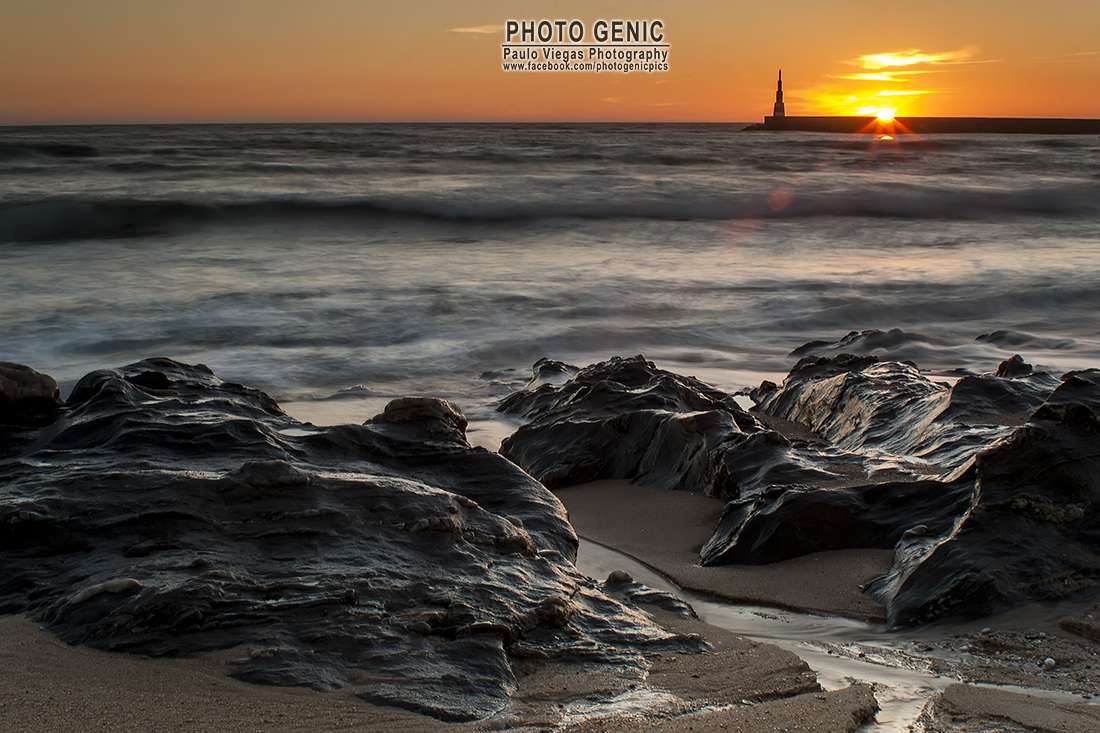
60	219
17	151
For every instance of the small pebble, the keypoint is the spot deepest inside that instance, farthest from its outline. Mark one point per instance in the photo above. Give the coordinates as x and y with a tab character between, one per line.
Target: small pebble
1049	663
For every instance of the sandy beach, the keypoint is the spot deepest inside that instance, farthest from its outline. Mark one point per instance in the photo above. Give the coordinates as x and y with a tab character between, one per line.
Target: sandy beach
664	529
48	685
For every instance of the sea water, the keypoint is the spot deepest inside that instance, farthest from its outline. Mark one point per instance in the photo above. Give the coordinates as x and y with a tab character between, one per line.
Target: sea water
368	261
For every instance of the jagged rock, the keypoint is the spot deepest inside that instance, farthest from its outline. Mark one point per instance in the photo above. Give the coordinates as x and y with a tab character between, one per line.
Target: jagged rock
1006	397
27	398
625	418
788	522
1001	515
427	418
987	488
620	585
859	403
550	371
166	512
1031	532
1014	366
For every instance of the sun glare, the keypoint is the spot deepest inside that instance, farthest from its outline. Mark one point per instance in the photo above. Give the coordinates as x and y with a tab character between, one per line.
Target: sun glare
885	114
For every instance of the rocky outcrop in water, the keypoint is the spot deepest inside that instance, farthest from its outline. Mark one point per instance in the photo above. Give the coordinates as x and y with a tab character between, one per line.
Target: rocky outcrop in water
988	488
163	511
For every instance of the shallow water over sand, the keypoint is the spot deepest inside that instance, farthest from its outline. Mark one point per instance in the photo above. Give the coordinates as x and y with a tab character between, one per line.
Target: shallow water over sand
824	642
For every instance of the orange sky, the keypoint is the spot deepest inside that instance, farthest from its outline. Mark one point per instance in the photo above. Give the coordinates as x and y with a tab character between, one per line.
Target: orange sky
133	60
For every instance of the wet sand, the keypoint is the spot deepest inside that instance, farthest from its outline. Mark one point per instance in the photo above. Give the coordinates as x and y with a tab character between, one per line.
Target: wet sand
48	685
967	708
665	529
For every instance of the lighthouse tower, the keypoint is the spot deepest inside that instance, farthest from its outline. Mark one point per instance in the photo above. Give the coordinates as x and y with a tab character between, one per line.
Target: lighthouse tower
778	110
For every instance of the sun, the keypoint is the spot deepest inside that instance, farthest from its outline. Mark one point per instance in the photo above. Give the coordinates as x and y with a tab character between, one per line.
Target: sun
885	114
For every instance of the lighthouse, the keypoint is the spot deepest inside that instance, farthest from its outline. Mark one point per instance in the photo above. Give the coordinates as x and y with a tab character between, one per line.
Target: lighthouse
778	110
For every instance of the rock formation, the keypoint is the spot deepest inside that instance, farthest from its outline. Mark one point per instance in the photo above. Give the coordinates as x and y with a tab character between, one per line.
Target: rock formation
165	512
1032	528
988	489
625	418
27	398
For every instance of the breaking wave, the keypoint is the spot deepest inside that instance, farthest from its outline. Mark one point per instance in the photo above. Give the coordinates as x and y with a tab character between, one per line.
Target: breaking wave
74	218
19	151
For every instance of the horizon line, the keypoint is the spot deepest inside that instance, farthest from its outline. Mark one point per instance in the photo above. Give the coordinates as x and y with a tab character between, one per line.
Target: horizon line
124	123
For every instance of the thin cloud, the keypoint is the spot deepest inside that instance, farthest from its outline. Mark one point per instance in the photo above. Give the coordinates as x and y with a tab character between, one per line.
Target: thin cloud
884	79
906	92
478	29
892	60
1076	56
890	76
613	100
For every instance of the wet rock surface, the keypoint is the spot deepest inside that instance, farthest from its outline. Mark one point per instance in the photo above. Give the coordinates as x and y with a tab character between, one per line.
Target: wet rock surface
27	398
1031	532
621	585
627	419
986	487
1004	481
166	512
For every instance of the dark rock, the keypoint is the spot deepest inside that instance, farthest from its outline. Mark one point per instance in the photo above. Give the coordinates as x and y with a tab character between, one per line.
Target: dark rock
1031	532
784	523
972	532
1013	367
627	419
890	345
859	403
865	342
27	398
988	489
551	371
166	512
620	585
998	399
1018	339
425	418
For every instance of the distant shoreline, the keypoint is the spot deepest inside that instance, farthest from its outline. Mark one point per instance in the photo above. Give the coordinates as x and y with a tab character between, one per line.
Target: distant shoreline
792	124
927	125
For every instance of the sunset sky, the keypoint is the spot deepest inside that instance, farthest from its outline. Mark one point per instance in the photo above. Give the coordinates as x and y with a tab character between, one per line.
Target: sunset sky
260	60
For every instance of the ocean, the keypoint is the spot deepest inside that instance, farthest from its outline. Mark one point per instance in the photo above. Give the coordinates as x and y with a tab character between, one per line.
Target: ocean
337	266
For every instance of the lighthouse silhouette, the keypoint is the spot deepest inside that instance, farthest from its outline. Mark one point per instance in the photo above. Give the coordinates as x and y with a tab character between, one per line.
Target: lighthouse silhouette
778	110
